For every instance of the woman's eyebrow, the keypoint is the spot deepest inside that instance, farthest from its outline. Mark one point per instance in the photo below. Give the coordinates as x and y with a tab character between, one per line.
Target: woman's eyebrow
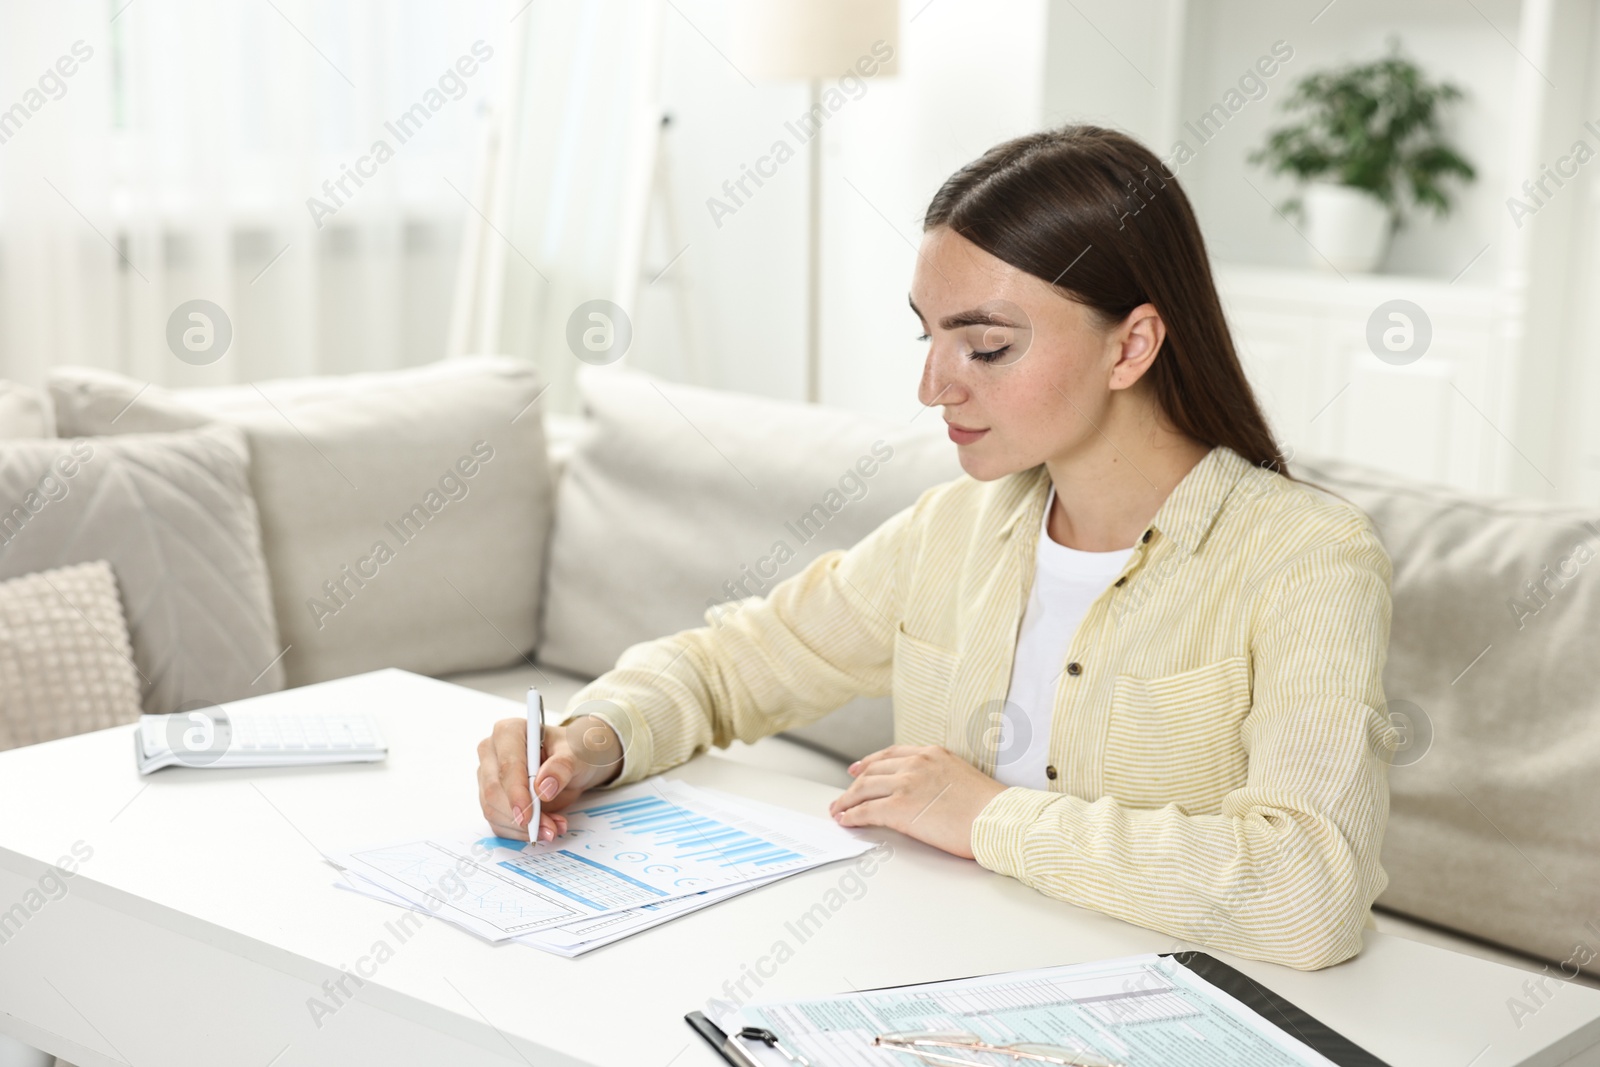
974	317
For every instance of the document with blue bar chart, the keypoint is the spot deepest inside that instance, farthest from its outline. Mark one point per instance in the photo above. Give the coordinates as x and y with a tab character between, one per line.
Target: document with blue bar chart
631	858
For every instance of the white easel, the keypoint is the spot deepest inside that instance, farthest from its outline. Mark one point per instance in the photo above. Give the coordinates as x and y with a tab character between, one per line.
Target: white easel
650	191
475	324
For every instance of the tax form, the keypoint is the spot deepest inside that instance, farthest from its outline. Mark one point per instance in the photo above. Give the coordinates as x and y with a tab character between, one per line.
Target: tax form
1148	1010
636	852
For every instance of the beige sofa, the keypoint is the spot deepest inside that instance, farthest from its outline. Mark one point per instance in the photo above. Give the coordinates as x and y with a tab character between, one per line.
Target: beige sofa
662	501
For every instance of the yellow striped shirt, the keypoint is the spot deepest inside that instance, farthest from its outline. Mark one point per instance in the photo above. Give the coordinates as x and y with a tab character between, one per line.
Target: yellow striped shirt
1219	744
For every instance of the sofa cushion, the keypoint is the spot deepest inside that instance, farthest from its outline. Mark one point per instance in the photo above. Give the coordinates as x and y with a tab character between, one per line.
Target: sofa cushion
1494	825
66	665
404	514
173	515
678	499
24	411
556	686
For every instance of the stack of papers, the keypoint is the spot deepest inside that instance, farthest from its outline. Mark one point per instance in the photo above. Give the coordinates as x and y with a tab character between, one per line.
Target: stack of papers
631	858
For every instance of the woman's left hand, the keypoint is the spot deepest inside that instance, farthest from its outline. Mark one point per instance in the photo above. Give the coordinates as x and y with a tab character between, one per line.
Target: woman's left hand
924	791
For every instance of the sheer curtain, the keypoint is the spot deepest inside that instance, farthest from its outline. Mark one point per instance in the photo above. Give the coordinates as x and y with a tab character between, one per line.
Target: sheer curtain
154	152
569	191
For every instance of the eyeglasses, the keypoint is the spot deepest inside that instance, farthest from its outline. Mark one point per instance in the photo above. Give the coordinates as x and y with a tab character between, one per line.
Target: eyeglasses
922	1043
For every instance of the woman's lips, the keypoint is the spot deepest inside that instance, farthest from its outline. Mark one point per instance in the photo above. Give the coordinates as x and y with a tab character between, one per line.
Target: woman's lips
963	436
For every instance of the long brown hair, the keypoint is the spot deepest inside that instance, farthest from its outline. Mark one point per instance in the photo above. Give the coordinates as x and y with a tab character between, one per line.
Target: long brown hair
1096	214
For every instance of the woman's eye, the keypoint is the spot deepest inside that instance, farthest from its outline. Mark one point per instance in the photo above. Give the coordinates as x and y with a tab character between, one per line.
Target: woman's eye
923	337
991	355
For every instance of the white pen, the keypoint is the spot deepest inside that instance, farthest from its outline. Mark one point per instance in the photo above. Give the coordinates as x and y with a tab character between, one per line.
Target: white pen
535	754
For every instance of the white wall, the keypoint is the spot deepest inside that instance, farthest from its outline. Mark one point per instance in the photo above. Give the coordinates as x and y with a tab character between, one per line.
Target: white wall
970	75
1108	62
1561	274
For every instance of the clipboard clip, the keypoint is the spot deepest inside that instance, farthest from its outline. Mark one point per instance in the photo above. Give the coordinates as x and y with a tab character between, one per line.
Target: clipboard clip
770	1039
729	1047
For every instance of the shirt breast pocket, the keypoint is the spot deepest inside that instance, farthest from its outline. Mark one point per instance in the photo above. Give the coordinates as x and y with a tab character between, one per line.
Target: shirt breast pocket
922	680
1176	739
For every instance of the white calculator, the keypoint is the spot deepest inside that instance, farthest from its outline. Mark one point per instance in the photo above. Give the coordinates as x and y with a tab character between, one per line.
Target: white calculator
214	737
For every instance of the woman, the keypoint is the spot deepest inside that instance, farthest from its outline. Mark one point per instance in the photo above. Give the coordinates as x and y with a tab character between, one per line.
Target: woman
1134	664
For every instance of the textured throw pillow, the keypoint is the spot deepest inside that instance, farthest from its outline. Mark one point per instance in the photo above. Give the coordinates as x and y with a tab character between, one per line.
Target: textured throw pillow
1494	822
403	515
172	514
66	666
677	499
24	411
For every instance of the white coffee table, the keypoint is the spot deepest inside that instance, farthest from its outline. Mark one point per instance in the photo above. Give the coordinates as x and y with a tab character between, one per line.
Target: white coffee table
205	921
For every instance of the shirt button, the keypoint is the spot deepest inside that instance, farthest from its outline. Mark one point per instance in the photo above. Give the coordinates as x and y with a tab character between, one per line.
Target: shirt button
1124	578
1074	668
1147	534
1050	773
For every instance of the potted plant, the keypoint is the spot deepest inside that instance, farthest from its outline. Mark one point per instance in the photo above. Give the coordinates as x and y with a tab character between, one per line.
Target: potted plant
1368	150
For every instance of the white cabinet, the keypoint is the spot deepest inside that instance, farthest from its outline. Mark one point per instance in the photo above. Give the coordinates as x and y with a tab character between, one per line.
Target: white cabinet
1438	416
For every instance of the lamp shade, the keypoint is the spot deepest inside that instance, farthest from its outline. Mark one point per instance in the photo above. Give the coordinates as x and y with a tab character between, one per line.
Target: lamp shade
803	39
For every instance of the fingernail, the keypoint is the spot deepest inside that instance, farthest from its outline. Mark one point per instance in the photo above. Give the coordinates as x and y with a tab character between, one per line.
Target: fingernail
516	816
548	789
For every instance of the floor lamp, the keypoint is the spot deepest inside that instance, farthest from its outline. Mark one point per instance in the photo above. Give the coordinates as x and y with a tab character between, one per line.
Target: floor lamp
813	41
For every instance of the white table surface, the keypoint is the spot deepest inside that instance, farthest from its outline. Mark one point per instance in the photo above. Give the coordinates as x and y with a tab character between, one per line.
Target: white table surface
206	918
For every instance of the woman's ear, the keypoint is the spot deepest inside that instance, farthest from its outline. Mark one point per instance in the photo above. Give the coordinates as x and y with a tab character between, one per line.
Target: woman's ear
1138	338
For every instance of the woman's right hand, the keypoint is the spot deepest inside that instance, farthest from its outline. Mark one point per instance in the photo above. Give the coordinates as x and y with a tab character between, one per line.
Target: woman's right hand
578	756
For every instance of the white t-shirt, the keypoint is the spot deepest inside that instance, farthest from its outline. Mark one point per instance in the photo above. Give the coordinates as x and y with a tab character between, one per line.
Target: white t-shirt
1066	582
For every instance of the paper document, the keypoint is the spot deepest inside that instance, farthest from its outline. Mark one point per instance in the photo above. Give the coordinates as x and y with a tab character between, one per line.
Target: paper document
630	858
1147	1010
585	935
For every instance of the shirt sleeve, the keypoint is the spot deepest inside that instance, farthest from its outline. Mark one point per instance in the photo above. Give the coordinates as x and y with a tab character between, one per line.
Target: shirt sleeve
760	665
1287	870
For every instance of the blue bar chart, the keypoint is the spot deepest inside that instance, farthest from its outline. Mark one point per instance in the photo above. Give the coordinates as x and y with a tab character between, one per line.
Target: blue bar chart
677	833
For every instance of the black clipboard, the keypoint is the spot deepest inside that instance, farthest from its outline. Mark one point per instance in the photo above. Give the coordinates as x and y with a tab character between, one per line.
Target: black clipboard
1295	1021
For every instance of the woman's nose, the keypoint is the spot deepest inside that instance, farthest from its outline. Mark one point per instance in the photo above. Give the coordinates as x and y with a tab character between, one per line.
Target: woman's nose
937	386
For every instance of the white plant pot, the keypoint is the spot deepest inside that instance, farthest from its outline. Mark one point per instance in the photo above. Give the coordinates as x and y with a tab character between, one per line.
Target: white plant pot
1348	228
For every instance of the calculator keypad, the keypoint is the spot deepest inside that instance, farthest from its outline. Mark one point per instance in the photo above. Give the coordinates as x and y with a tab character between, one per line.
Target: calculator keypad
302	732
